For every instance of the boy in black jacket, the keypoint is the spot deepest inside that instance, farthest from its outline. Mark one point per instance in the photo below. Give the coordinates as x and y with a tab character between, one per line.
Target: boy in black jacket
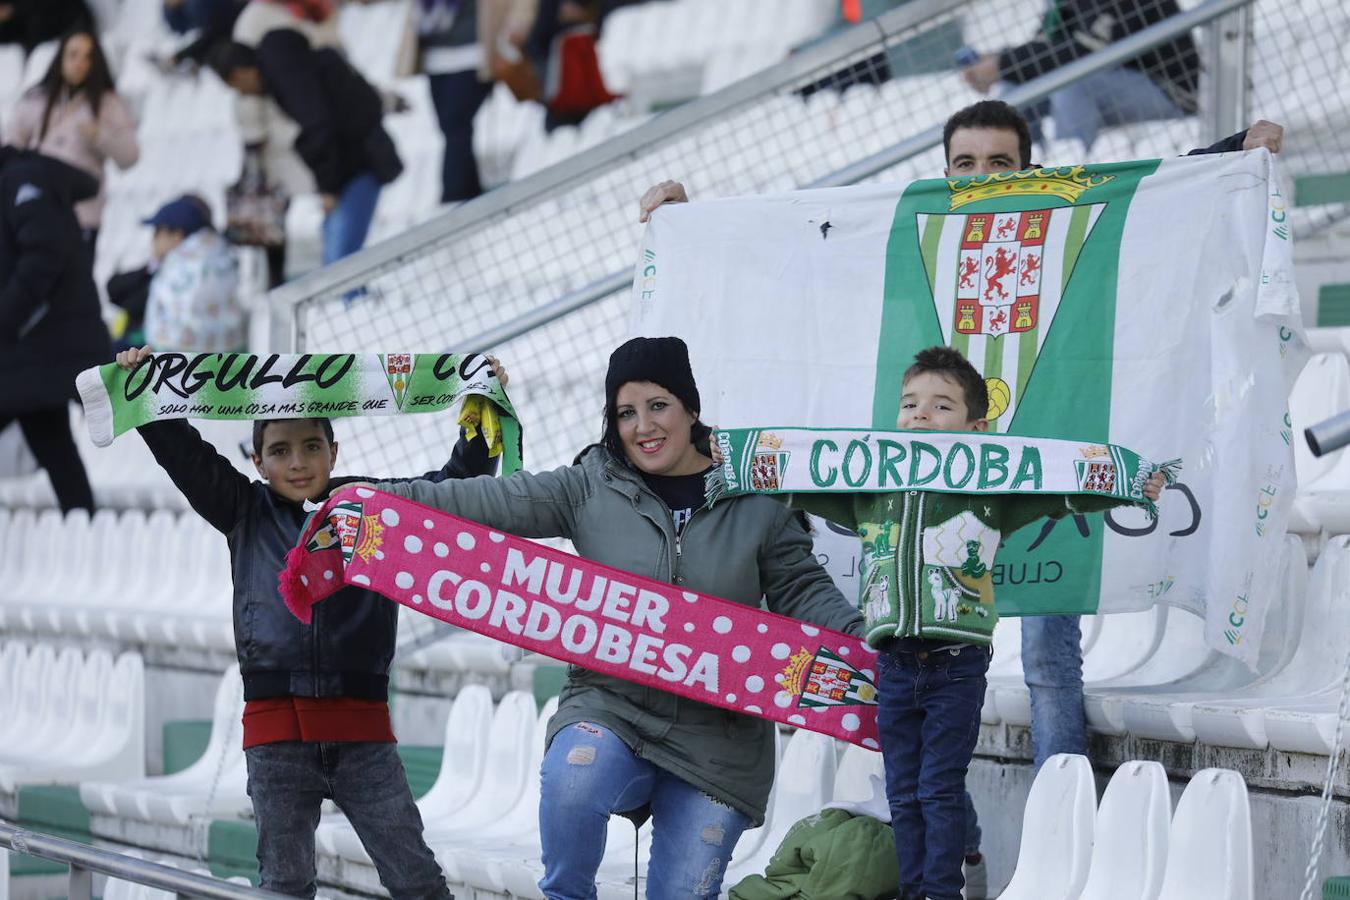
316	714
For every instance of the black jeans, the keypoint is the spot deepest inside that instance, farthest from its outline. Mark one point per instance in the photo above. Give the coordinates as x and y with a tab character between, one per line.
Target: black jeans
457	97
47	433
288	781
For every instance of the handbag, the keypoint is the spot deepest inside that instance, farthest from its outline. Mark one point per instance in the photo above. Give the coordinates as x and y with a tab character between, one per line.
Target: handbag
255	212
574	84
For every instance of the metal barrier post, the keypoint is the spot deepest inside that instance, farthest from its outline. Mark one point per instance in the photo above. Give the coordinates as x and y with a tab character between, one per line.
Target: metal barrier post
81	883
1228	43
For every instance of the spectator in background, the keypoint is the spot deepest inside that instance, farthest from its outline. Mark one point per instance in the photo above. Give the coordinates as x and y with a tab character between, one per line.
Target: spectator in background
50	328
211	21
1161	83
33	22
75	115
341	138
461	43
186	297
562	47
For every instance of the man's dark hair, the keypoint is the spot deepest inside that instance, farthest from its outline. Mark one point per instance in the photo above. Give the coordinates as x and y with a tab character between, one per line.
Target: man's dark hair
989	114
227	56
260	425
949	363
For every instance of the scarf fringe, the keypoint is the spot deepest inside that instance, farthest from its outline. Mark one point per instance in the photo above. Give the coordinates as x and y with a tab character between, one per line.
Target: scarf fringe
714	487
294	593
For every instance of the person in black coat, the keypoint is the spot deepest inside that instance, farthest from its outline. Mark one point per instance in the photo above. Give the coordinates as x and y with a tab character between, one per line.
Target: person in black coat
342	140
1161	83
50	326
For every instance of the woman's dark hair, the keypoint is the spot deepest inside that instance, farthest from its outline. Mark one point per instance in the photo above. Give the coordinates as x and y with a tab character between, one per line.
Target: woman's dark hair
699	435
98	82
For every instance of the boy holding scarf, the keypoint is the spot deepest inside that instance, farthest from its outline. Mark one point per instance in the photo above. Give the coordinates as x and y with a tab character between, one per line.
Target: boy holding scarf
927	597
316	712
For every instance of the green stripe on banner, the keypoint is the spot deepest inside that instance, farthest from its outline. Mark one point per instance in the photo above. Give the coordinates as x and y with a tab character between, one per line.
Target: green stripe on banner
1063	387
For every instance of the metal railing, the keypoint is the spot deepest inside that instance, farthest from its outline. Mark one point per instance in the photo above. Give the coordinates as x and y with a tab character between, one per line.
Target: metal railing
538	269
83	861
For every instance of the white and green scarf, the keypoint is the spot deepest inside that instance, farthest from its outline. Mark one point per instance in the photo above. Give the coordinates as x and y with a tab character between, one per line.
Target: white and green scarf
842	460
289	386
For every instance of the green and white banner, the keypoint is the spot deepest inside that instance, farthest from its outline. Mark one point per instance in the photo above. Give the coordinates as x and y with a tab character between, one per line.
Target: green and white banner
172	385
1148	303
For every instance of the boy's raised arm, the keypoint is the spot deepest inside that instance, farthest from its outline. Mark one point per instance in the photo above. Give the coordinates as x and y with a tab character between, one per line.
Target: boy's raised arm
215	489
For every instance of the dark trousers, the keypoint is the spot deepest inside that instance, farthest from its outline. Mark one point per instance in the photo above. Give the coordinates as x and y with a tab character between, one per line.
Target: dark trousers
47	433
287	783
457	97
928	715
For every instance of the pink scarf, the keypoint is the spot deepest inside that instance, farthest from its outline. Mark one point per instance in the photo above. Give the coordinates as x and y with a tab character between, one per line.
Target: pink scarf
649	632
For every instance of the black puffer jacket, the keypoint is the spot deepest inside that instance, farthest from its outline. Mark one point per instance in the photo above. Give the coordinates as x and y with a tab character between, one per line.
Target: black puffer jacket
1074	28
346	649
50	327
338	112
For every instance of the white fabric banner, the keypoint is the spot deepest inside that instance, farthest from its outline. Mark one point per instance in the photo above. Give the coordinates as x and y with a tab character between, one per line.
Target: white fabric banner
1150	303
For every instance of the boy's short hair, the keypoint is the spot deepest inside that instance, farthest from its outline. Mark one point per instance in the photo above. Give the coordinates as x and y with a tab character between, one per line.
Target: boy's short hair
949	363
260	425
990	114
227	56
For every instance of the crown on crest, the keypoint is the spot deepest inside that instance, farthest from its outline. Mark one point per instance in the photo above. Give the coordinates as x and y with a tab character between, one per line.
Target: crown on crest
792	675
1066	183
372	537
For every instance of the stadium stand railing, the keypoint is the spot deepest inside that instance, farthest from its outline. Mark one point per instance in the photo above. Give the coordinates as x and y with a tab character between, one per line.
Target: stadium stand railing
539	268
83	861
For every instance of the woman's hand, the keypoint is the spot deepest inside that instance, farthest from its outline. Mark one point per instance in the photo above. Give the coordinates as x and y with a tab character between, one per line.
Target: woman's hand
1153	488
132	359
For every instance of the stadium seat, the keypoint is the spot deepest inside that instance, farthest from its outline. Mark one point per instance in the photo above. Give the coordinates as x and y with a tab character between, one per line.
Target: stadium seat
214	784
1295	709
1129	852
803	784
854	779
1005	669
1164	711
477	860
1125	641
463	761
1057	832
97	727
1210	849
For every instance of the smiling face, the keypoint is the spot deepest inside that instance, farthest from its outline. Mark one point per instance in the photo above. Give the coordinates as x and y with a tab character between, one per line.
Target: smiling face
934	402
654	429
983	151
76	58
297	458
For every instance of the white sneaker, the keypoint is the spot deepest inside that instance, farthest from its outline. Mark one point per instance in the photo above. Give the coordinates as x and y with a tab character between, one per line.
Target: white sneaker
977	880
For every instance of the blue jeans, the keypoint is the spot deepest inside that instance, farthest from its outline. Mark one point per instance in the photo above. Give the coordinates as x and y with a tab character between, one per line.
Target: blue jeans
928	716
1052	663
288	781
589	774
1105	99
346	227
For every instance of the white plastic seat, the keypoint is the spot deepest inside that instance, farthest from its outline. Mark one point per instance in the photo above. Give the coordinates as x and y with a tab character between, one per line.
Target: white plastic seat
1210	851
463	761
1129	852
1005	669
504	779
853	780
175	798
475	861
45	716
1283	711
1124	642
1165	711
1057	832
803	785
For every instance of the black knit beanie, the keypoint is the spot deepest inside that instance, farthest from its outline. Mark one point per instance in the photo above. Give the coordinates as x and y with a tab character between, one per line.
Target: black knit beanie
662	360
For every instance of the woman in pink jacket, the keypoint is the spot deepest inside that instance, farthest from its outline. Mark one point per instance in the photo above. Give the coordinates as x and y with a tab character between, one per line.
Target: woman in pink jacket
75	115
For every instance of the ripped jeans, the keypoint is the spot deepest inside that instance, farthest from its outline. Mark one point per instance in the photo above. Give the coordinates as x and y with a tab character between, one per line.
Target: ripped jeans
588	774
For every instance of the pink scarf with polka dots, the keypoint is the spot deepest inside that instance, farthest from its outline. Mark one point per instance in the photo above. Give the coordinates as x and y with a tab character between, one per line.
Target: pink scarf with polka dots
726	654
